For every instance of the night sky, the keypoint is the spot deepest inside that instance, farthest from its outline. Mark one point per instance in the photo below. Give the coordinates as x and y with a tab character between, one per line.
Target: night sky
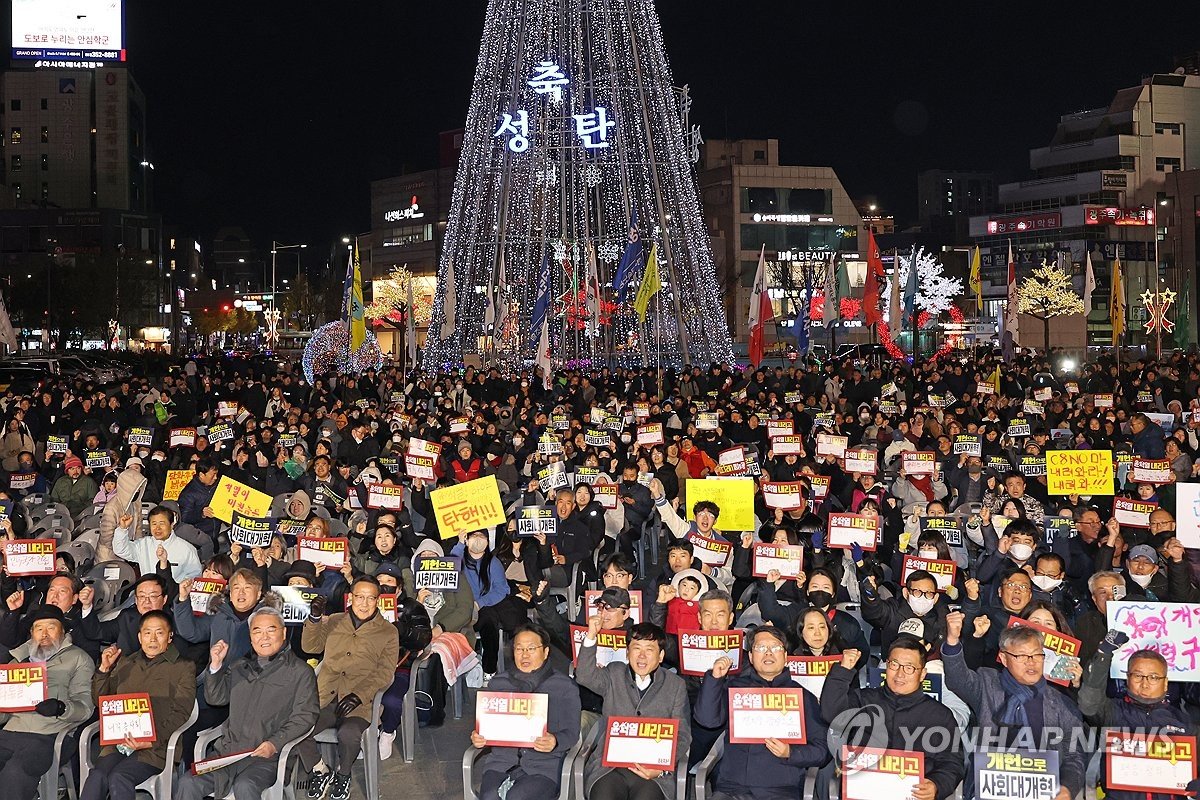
275	116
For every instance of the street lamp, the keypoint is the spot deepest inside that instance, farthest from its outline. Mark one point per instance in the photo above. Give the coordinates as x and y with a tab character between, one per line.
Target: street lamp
275	248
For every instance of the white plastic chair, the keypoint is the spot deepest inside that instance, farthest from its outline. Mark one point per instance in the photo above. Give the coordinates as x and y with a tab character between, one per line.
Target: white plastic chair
276	791
159	785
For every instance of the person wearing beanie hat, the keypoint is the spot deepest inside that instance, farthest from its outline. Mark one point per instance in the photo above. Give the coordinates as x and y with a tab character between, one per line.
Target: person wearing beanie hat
74	489
448	611
27	737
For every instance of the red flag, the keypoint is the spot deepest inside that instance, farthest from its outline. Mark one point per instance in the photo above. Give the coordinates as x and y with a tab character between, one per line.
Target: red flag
761	310
874	276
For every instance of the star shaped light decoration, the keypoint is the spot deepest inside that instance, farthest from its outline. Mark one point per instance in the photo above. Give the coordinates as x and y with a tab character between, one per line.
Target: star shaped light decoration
1156	304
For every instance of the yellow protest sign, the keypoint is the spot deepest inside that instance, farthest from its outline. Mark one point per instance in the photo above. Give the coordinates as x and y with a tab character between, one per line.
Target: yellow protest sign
176	480
232	496
734	496
1079	472
468	506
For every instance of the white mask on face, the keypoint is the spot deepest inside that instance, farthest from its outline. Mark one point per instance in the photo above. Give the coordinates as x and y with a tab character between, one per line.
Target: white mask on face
929	554
1046	583
1020	552
1142	580
922	605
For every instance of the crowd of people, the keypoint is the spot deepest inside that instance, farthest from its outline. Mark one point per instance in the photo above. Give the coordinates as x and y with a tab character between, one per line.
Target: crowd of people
929	589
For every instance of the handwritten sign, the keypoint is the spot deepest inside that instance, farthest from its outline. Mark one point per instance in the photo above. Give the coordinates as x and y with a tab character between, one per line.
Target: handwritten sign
22	687
1170	629
830	445
297	601
1146	470
756	715
811	671
1016	775
640	741
984	388
202	593
786	496
1062	651
787	445
710	551
922	462
863	460
511	719
780	427
232	496
330	551
848	529
419	466
1187	510
182	437
870	773
734	496
1133	513
29	557
610	645
385	496
177	479
466	507
650	435
787	558
606	495
125	714
943	572
1137	762
459	425
699	650
251	531
1079	472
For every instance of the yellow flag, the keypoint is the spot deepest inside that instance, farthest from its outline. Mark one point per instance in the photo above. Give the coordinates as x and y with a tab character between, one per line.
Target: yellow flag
977	280
650	285
358	325
994	379
1116	302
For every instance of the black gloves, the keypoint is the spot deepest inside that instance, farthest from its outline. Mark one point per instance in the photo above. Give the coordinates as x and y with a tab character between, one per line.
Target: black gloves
1112	642
316	609
347	704
51	708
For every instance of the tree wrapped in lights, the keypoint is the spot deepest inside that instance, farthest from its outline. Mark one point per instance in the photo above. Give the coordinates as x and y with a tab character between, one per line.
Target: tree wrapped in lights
574	127
390	301
1045	294
935	296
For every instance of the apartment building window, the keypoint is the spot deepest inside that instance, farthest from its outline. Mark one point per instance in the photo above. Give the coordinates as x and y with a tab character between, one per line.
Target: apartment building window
15	136
15	164
14	105
45	134
1168	128
1167	164
16	187
45	104
45	163
45	192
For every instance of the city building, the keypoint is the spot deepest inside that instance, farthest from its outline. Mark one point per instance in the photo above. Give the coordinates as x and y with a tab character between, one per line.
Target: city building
408	226
75	138
236	263
799	213
1179	245
947	199
1096	189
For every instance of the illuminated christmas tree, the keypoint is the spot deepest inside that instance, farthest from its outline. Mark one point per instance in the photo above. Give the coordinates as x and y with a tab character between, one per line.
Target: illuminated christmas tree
577	158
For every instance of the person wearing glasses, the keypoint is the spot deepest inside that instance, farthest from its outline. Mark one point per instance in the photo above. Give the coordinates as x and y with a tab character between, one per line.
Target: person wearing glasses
361	651
1012	704
1143	708
532	772
1014	592
920	599
149	594
775	768
907	713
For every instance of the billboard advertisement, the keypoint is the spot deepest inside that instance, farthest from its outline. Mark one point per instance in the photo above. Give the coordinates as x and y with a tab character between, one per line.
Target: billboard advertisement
68	31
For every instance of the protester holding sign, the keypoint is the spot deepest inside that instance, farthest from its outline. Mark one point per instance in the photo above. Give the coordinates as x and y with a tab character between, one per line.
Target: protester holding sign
775	766
27	735
1014	702
158	670
639	688
908	715
532	772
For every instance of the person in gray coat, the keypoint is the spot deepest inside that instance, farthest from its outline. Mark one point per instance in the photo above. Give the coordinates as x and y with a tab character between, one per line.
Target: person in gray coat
272	697
639	689
1013	705
532	772
27	737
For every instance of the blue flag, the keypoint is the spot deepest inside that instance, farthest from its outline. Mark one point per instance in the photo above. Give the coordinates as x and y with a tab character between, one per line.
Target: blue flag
541	303
802	320
631	262
910	290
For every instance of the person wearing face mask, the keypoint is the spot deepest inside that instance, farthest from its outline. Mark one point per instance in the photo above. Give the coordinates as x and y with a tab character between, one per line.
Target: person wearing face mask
920	598
969	484
1143	708
1050	584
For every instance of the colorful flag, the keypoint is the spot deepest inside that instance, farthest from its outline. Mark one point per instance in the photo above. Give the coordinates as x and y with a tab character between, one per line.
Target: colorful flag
9	337
353	309
802	315
541	302
1009	341
761	310
631	261
1183	327
977	279
542	359
1089	286
829	313
449	304
895	312
1116	302
650	284
874	276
